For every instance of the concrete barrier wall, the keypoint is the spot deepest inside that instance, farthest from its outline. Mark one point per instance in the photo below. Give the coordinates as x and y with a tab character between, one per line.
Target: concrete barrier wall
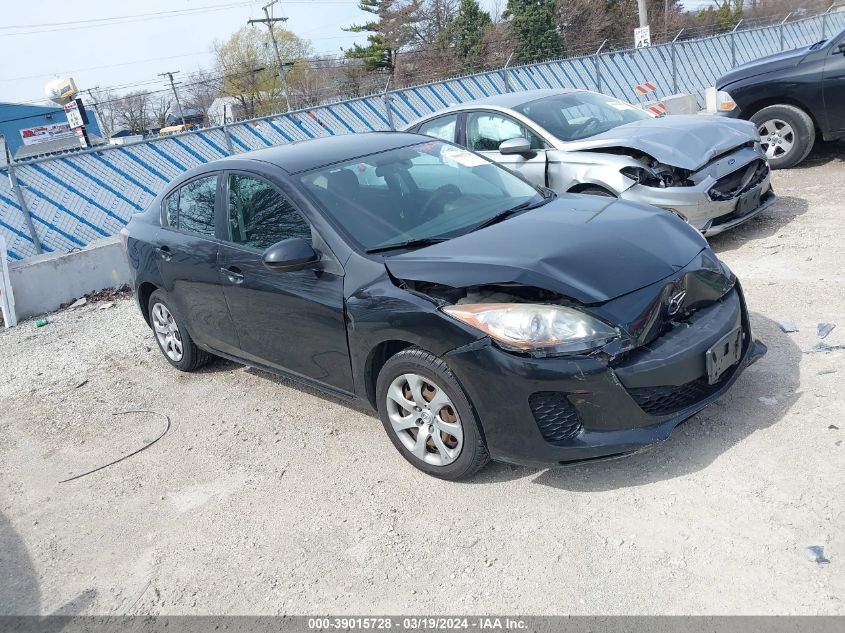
41	284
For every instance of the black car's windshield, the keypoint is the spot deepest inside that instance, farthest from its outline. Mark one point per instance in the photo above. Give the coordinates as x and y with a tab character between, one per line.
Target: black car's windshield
414	195
578	115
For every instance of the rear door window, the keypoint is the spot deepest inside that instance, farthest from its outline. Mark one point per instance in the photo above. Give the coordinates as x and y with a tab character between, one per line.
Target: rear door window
191	207
442	127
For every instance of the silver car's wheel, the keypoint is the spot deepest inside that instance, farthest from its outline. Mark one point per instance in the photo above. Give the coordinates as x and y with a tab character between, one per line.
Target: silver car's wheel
777	138
424	419
167	332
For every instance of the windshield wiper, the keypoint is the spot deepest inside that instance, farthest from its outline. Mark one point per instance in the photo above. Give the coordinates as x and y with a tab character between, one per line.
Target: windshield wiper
424	241
504	215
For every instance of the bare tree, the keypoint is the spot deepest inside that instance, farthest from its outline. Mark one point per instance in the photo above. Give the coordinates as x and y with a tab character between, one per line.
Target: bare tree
102	102
132	111
200	90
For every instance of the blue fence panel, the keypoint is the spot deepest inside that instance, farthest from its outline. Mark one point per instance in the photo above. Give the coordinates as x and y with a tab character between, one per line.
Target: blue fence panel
82	196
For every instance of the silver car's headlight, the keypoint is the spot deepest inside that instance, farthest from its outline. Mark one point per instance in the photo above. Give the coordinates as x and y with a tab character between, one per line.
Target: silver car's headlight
543	329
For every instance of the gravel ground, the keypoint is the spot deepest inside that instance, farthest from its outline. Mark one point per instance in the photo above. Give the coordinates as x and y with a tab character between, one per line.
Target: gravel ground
265	497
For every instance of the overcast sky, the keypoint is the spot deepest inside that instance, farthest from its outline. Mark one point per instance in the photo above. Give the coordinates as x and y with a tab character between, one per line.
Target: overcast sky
45	39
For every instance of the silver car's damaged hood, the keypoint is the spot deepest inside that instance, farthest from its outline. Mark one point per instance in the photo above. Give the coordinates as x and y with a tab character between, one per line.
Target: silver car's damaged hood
688	142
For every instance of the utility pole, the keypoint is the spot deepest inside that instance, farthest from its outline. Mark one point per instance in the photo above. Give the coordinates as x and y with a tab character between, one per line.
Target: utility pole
97	110
269	21
643	12
169	75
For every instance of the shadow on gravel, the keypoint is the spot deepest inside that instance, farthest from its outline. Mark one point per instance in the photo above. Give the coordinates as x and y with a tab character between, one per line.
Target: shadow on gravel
696	443
768	224
824	153
19	591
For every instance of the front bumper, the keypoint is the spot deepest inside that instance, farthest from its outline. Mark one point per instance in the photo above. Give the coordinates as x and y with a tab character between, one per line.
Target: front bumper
620	406
695	204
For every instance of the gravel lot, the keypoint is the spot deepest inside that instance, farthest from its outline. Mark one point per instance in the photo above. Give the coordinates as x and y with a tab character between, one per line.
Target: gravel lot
265	497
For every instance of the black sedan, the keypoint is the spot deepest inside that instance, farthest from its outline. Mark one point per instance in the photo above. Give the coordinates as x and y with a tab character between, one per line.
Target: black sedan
481	317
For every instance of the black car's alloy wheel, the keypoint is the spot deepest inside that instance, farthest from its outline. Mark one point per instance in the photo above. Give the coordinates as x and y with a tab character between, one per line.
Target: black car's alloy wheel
174	341
787	134
427	416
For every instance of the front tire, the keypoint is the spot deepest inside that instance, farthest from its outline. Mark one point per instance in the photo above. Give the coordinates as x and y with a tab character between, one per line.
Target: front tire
428	417
173	339
787	134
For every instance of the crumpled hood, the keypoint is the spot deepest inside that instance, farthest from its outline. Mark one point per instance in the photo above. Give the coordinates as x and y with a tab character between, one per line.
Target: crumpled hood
588	248
688	142
762	66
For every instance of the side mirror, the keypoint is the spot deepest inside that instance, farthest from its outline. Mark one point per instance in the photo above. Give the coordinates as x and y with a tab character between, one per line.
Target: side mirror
517	145
291	254
841	47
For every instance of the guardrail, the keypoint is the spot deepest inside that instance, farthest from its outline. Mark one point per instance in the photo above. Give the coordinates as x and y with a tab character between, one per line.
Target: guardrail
59	203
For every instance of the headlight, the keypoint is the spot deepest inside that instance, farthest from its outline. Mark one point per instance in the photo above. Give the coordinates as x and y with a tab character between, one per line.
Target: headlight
724	101
542	329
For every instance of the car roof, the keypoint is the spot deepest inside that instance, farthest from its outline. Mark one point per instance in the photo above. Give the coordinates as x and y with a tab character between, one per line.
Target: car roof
306	155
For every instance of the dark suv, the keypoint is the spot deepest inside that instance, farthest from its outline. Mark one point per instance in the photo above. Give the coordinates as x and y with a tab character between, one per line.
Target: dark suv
792	97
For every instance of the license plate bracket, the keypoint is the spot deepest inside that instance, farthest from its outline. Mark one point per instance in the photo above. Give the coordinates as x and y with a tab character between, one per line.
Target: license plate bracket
723	355
747	202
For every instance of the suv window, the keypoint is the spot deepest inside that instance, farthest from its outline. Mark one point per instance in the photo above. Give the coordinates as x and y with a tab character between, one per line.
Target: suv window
191	207
259	216
442	127
487	130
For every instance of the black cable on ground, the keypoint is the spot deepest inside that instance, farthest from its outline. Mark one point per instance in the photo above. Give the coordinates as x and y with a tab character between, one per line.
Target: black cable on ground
146	446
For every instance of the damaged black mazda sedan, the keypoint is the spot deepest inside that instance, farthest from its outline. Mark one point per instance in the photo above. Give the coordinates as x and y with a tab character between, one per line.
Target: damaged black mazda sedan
481	317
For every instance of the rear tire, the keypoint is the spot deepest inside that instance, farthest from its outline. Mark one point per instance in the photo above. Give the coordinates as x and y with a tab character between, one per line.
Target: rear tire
172	337
787	134
428	417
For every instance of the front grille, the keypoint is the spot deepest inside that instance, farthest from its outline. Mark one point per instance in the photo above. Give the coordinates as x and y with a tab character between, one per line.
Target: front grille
556	418
671	398
740	181
730	217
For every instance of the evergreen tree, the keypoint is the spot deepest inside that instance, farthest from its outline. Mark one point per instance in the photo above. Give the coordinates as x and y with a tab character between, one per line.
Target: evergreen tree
534	27
390	32
471	26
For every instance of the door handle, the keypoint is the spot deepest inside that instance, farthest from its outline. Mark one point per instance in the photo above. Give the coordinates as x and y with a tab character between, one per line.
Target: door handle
233	274
164	253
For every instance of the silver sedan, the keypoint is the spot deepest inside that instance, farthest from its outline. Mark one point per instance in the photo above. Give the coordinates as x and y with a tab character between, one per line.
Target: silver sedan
709	170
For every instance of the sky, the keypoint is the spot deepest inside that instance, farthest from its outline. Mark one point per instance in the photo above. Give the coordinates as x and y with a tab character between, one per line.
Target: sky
42	40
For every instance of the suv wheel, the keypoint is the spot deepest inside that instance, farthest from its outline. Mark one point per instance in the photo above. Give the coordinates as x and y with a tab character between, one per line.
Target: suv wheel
787	134
428	417
173	339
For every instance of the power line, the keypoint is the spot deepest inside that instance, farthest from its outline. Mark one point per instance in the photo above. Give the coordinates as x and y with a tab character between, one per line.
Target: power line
54	27
106	66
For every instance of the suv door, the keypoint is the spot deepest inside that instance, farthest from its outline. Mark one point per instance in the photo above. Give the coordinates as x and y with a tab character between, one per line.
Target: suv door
293	321
186	250
487	130
833	85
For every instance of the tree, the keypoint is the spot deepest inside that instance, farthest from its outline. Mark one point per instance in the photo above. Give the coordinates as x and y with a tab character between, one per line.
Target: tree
392	31
472	26
250	70
533	25
132	111
724	17
199	91
102	101
159	106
